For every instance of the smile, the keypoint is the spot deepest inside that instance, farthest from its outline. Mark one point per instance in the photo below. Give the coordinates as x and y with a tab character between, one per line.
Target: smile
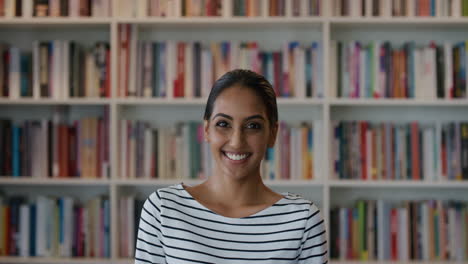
236	157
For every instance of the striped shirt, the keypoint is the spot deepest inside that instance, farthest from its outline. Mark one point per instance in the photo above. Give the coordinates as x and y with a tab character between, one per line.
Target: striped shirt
176	228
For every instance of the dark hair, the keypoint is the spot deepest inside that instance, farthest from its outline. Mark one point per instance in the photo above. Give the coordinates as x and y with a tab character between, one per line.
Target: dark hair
247	79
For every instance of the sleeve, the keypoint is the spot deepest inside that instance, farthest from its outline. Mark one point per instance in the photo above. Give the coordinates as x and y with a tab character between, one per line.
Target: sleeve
148	245
314	241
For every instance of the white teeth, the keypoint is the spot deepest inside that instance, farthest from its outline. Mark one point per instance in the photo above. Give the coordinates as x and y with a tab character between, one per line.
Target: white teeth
236	157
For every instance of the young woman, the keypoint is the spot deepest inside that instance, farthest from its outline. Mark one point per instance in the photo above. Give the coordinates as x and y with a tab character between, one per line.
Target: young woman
232	217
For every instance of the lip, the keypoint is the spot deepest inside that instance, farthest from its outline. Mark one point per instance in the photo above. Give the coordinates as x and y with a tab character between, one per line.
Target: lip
236	153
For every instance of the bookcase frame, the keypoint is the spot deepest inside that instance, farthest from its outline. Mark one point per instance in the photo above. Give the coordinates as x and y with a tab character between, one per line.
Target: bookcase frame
324	183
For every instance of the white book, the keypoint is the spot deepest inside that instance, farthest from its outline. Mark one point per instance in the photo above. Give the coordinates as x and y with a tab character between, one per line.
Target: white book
403	234
411	8
142	8
288	8
188	84
431	74
15	73
304	8
132	89
177	8
456	8
68	226
368	11
264	7
131	223
123	149
452	233
89	73
24	232
318	148
356	8
9	8
96	8
386	6
27	8
418	78
299	73
74	8
41	221
438	8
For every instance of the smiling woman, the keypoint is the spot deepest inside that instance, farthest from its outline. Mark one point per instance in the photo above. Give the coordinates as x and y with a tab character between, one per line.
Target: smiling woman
232	217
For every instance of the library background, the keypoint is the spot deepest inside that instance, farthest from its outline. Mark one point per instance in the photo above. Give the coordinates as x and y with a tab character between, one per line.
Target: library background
101	103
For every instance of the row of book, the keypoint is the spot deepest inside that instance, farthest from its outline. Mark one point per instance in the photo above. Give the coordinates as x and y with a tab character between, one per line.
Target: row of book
55	148
188	69
58	69
54	227
412	230
400	151
295	8
296	154
398	8
55	8
170	8
129	218
382	70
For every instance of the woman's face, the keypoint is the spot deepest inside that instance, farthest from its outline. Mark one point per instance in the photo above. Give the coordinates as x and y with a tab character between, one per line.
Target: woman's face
239	132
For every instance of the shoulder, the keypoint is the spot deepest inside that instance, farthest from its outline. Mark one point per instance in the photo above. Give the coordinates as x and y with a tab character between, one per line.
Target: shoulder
173	194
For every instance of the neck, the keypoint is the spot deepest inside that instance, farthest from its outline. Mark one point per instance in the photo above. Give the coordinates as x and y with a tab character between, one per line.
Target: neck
236	192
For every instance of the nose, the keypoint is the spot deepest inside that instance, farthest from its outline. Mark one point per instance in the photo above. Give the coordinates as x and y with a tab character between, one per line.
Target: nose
237	138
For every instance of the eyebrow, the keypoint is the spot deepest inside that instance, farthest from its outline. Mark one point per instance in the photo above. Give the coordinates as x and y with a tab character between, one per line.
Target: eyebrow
246	119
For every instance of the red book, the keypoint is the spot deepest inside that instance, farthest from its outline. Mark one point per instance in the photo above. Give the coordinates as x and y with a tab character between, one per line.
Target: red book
393	234
363	126
99	148
179	81
415	150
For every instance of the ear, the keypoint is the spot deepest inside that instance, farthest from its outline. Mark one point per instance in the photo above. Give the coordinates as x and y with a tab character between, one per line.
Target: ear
273	133
206	125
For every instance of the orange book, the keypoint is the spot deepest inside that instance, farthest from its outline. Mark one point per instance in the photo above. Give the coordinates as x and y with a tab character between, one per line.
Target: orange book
415	150
273	8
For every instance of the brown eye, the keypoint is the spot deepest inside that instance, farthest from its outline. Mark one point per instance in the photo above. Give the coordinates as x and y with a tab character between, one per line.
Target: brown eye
254	126
222	124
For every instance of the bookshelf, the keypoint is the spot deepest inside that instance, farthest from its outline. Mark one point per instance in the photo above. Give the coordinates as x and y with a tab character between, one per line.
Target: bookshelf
269	32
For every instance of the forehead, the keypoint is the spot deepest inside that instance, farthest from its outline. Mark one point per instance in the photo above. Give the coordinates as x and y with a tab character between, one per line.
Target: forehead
239	101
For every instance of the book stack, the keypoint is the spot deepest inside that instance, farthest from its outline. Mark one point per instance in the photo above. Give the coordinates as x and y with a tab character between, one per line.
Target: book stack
427	230
58	69
54	227
277	8
55	8
55	148
171	8
382	70
173	69
400	151
399	8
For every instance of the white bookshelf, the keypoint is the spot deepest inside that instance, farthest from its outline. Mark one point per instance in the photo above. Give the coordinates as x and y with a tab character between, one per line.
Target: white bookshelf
269	32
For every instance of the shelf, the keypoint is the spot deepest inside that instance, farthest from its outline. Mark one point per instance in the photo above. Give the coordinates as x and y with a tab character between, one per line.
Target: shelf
156	182
202	101
398	184
53	260
54	21
398	102
47	101
398	21
210	22
52	181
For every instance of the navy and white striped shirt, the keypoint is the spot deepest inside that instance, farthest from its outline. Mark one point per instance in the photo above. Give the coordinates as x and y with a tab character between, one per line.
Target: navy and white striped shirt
176	228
